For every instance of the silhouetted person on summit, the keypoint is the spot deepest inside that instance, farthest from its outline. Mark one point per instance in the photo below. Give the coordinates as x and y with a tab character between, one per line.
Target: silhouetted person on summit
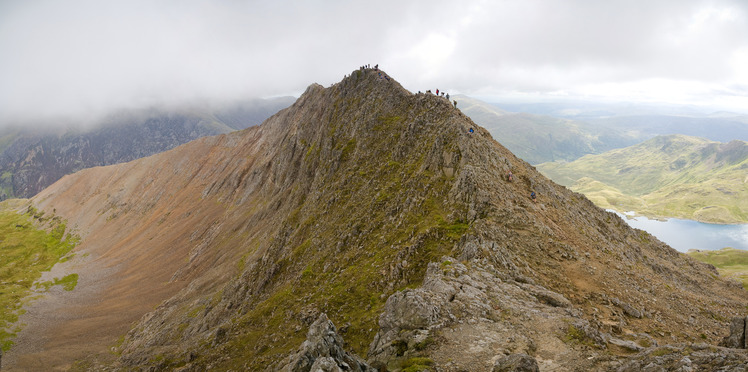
455	104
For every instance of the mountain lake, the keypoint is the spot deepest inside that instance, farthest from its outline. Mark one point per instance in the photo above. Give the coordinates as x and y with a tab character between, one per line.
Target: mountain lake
688	234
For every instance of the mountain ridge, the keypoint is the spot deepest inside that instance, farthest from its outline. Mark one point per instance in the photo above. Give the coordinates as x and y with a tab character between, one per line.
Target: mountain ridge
360	201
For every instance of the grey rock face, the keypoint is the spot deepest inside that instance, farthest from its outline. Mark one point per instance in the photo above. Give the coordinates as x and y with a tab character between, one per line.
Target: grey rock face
687	357
628	309
736	339
323	352
630	345
516	363
468	303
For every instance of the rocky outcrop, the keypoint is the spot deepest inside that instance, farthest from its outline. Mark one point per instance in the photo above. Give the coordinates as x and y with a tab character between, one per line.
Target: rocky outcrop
469	304
737	338
516	363
323	352
686	358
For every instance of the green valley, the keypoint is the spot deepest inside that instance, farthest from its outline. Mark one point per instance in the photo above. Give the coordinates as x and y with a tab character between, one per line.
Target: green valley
730	262
30	244
668	176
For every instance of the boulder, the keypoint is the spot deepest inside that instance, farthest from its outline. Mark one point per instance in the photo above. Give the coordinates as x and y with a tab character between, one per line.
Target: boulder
516	363
736	339
323	352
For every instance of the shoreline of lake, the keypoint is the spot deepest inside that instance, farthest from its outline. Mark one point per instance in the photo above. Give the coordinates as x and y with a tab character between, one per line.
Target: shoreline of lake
683	235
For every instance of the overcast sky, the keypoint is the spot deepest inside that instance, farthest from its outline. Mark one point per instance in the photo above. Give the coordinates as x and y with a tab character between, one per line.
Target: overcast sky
85	57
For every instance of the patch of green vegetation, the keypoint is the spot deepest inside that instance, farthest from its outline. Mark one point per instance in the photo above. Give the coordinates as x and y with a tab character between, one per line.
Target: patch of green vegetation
417	364
662	351
81	365
27	250
348	149
574	334
419	346
68	282
730	262
401	346
312	152
197	310
387	122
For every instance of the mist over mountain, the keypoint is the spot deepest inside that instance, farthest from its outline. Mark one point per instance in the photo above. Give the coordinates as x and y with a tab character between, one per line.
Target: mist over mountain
32	158
576	108
364	227
643	121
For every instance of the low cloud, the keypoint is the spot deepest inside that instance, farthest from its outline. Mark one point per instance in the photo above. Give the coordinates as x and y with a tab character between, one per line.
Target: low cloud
79	58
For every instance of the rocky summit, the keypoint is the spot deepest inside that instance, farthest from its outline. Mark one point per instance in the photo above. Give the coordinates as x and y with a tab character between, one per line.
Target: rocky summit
364	228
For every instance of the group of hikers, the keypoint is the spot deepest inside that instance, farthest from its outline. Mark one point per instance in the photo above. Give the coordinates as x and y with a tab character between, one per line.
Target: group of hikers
376	68
442	95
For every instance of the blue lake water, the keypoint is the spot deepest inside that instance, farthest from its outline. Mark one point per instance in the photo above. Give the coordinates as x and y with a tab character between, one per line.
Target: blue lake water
686	234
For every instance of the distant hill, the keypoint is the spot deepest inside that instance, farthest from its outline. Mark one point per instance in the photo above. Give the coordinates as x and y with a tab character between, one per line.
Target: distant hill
667	176
720	127
566	131
32	158
542	138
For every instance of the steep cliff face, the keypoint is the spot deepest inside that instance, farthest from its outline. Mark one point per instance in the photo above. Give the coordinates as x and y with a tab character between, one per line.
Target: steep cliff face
391	213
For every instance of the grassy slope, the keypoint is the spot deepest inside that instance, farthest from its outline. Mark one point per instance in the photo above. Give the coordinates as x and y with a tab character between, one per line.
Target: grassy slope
729	261
669	176
26	252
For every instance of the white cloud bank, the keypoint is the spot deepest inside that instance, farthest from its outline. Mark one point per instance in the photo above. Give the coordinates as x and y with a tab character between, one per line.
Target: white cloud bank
85	57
